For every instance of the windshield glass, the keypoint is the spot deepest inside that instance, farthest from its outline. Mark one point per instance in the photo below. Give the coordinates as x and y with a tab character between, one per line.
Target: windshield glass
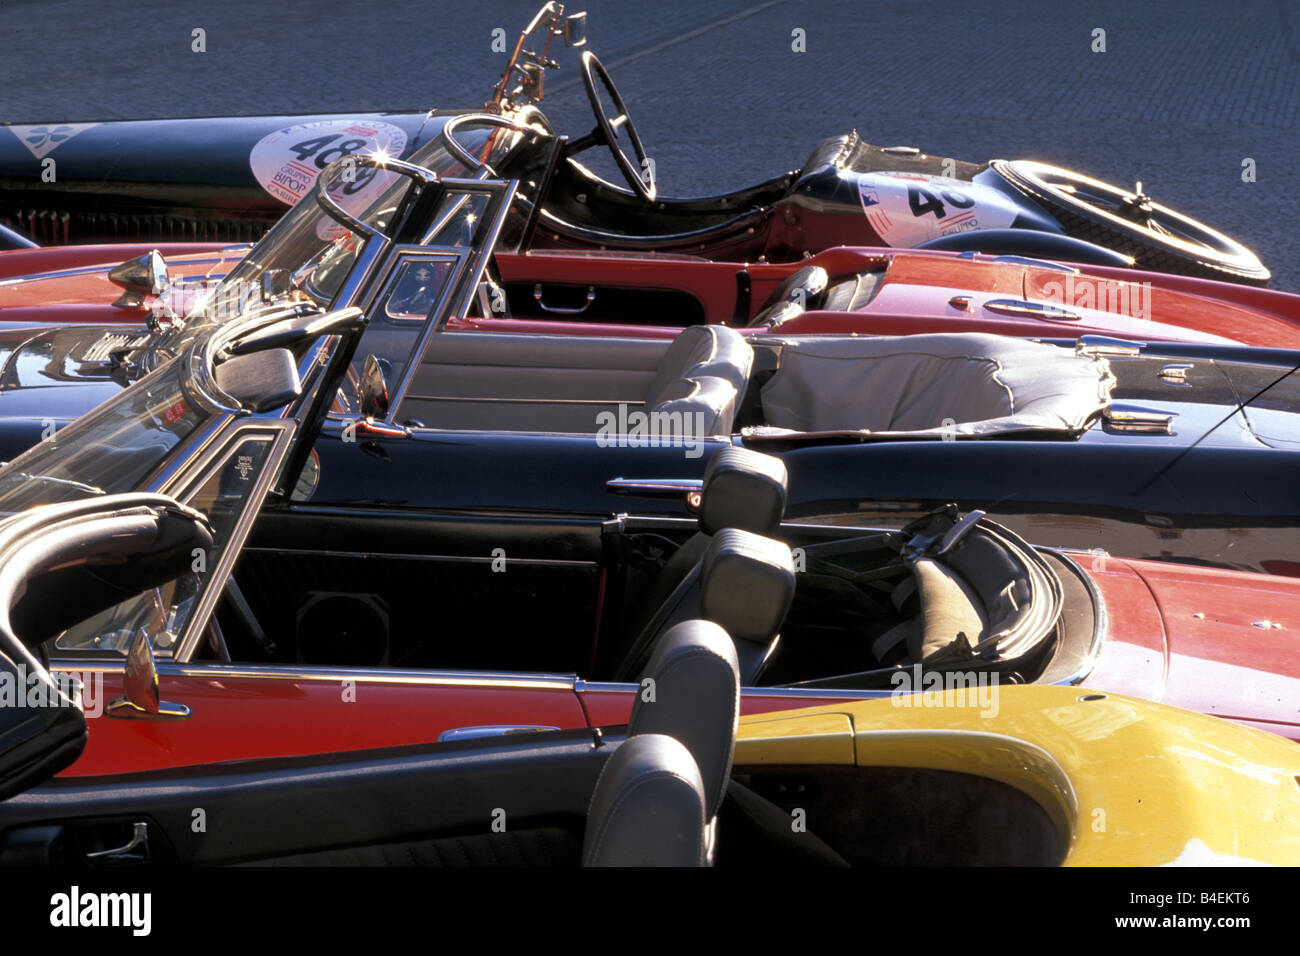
107	451
308	254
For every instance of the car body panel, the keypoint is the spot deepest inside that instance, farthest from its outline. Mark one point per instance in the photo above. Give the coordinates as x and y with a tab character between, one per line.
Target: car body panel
1103	766
243	713
1230	630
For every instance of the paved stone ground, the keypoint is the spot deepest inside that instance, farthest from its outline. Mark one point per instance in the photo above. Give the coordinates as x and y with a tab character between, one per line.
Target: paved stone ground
1185	91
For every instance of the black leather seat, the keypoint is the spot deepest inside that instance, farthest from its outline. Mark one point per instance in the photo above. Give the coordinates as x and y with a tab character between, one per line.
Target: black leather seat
694	698
648	807
658	796
744	583
742	490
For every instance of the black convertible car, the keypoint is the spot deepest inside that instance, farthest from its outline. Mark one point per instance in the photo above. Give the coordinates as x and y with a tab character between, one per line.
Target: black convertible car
1182	451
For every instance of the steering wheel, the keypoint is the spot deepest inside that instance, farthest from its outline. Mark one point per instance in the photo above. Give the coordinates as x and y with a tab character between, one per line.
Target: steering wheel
639	175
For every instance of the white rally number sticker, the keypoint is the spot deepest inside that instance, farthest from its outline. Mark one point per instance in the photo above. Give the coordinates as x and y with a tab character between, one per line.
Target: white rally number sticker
287	162
907	209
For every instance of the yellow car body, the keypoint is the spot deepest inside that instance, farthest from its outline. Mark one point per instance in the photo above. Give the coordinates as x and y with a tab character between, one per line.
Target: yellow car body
1123	782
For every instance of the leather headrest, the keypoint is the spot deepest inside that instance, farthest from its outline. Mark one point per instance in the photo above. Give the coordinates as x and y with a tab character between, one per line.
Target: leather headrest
746	585
648	807
743	489
696	408
695	698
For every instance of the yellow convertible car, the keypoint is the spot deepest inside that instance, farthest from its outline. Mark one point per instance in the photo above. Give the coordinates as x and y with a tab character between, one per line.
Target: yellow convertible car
1020	775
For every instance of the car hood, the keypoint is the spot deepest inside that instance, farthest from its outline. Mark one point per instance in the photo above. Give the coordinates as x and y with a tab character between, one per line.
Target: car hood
52	375
70	285
1220	642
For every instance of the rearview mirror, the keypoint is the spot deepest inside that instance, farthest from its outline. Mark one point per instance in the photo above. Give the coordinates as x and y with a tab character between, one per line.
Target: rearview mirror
144	275
260	381
575	30
374	388
532	76
275	284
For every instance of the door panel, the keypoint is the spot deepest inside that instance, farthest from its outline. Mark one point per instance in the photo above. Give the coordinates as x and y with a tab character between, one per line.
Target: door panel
426	801
238	716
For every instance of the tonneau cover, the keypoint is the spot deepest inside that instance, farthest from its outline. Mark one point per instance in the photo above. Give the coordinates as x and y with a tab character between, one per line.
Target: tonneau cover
944	385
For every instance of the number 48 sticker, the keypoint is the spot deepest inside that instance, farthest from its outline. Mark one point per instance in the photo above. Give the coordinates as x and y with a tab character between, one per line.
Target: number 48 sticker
907	209
923	201
287	162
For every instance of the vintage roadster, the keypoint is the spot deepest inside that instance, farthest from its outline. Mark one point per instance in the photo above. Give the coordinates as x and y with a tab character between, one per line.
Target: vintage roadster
1030	776
229	178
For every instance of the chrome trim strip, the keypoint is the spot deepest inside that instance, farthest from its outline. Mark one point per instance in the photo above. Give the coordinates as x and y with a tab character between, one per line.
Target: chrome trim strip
308	672
812	693
403	556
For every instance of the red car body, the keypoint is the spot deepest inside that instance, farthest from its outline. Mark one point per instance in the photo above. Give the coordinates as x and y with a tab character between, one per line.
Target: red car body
920	291
1219	642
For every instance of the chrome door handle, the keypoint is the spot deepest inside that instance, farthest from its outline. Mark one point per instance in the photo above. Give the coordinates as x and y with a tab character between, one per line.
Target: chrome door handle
136	850
561	310
491	730
1032	310
690	490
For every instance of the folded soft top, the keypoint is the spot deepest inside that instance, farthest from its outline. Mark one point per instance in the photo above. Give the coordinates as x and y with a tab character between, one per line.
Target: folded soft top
958	385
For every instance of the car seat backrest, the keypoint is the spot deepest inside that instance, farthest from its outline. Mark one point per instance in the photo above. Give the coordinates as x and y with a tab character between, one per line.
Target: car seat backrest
648	808
690	690
744	583
702	351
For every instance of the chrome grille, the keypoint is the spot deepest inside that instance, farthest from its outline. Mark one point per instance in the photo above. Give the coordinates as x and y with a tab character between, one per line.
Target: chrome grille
110	341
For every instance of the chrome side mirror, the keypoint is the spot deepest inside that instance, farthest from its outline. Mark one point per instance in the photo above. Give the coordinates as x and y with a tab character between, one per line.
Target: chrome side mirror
575	30
140	699
374	388
144	275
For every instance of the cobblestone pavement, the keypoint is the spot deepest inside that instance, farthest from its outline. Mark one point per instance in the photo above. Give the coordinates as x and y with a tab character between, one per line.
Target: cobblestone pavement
1185	91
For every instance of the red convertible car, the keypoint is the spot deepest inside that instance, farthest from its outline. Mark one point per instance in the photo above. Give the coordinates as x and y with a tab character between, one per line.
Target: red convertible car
876	291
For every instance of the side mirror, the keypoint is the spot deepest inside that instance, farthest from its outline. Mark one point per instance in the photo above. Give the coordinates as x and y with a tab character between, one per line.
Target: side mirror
575	30
144	275
374	388
140	699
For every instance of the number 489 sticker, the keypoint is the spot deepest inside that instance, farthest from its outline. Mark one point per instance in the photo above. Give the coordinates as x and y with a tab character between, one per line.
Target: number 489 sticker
287	162
907	209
